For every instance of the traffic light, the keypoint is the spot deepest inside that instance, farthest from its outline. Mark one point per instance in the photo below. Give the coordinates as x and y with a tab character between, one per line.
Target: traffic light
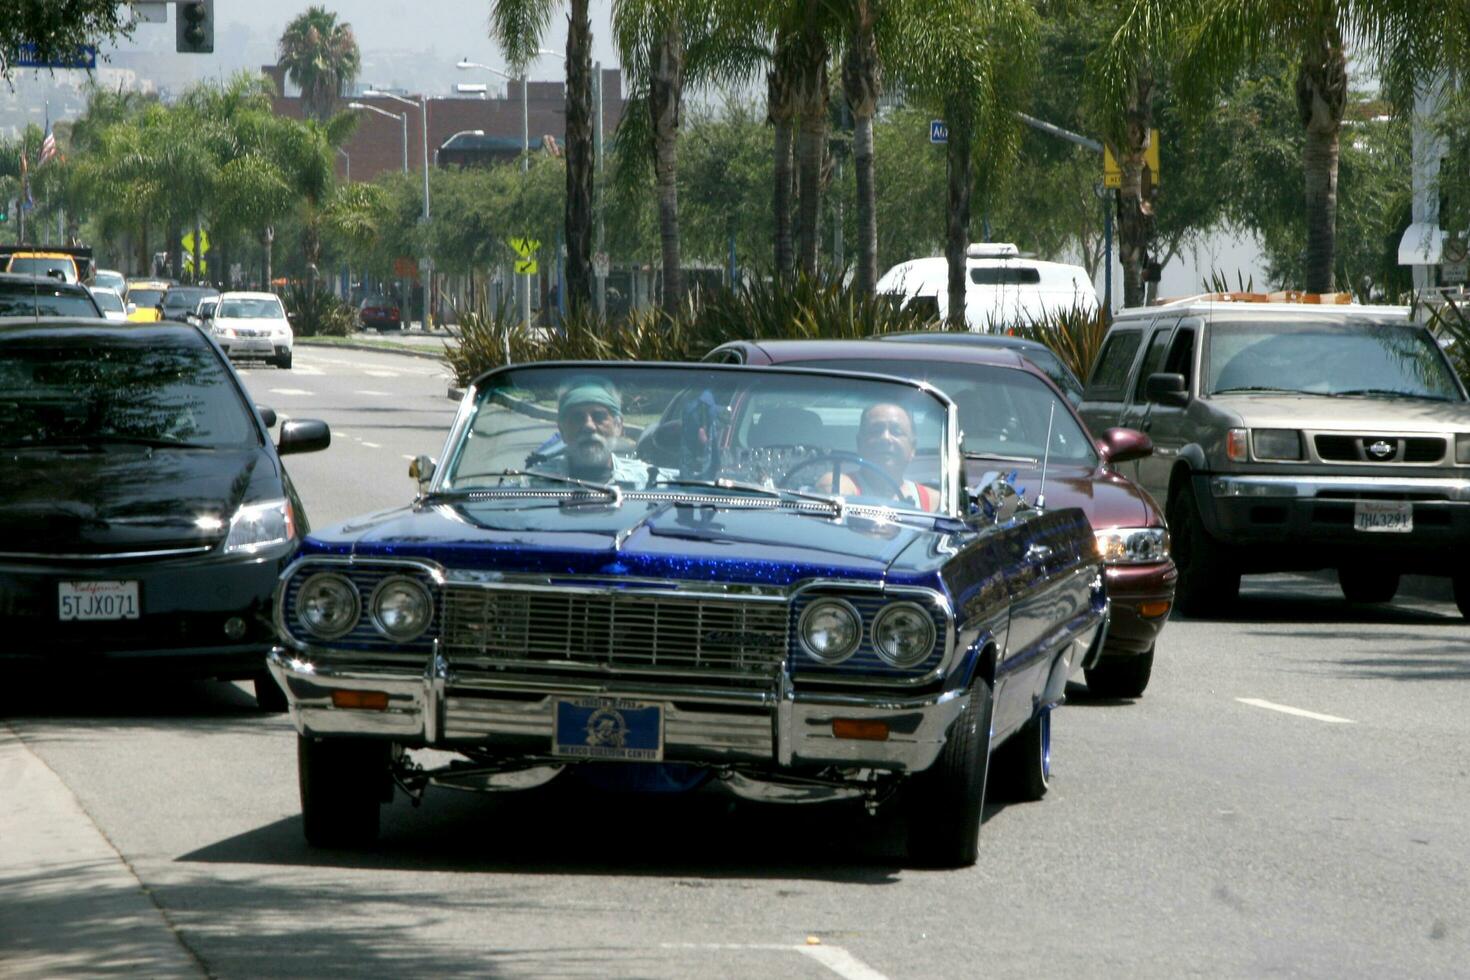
195	27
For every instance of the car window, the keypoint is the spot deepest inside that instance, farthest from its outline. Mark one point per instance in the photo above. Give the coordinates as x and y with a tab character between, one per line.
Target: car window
1110	375
255	308
61	392
1327	357
182	299
1181	356
144	297
1005	275
43	299
35	265
1002	410
1153	359
1053	368
108	301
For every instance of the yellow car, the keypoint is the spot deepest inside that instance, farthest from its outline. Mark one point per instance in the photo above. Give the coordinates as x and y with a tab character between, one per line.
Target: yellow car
144	298
68	264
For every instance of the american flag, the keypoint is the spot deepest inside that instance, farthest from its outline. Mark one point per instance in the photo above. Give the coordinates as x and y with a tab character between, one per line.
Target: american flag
48	146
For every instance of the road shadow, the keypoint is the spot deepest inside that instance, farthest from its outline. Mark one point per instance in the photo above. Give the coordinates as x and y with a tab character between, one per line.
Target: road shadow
1078	695
1424	655
1327	606
127	703
579	830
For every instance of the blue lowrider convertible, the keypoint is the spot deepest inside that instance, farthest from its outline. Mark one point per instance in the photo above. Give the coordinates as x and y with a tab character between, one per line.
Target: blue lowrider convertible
772	580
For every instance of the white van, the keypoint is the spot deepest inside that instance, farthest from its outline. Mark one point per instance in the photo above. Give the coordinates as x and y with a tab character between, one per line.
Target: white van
1002	290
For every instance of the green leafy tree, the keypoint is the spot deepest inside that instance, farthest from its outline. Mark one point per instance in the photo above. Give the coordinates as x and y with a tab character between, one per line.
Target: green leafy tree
56	28
321	58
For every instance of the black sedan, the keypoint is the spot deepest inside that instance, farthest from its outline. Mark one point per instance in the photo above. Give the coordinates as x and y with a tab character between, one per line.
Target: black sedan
144	512
33	296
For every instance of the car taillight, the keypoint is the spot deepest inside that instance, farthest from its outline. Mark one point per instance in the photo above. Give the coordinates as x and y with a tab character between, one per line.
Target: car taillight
393	312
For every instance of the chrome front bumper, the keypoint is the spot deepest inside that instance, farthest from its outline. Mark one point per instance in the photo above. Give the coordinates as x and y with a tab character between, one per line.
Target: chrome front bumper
784	727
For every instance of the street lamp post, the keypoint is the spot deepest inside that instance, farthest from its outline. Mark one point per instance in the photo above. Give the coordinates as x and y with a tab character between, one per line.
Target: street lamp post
423	105
452	138
402	118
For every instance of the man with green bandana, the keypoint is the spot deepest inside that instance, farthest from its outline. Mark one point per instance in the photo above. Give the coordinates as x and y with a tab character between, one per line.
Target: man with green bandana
590	420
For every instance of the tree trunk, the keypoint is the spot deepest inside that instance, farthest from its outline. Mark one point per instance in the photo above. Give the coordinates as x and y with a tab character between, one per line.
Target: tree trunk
267	241
581	172
145	260
958	154
176	251
781	114
813	97
1321	96
1135	212
198	254
862	84
664	102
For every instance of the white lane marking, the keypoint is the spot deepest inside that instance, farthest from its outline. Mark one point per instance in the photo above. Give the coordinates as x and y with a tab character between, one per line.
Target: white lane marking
1287	709
834	958
291	391
308	369
381	374
375	394
409	458
372	445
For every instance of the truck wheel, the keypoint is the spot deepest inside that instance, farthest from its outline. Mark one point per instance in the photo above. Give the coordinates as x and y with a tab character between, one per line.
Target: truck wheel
946	801
342	786
1462	594
1121	677
1361	584
1023	763
1209	581
268	694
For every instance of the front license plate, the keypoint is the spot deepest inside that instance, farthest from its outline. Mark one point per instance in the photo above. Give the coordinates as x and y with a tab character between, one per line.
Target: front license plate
608	728
86	601
1383	515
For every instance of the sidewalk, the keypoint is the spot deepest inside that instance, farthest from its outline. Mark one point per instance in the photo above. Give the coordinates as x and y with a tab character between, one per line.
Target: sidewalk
413	342
69	903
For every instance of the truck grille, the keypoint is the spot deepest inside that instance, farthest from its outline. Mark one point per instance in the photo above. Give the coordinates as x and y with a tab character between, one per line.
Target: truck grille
1360	449
617	630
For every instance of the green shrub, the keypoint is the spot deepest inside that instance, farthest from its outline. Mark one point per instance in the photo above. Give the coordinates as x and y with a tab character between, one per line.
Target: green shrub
1074	335
319	313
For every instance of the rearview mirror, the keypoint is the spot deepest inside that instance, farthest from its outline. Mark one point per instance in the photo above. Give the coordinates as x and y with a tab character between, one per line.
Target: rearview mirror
1121	445
303	436
1167	389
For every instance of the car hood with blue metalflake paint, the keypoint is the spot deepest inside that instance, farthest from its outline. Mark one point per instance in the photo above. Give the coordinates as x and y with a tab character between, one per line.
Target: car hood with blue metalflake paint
654	539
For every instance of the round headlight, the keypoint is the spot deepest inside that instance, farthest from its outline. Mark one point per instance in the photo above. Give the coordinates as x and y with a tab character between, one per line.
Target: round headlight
830	630
903	634
327	605
401	608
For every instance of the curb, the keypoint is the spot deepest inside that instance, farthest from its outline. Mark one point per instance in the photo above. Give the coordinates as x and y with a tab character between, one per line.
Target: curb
396	349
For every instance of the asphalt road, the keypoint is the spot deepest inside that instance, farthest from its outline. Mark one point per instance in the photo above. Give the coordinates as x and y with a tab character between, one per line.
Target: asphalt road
1288	798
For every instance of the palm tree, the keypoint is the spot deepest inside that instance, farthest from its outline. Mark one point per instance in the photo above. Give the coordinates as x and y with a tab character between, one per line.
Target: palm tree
1121	79
974	62
517	26
320	57
862	84
1400	38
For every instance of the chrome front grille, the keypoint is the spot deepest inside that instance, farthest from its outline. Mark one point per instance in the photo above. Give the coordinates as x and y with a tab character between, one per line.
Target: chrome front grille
634	631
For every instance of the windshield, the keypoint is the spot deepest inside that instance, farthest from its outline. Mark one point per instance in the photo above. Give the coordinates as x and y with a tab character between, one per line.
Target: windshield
250	309
108	301
111	280
43	299
38	266
1327	357
144	297
97	389
182	299
1002	411
758	434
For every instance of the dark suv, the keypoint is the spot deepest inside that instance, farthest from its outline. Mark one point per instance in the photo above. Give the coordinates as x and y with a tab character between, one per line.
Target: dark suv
35	296
1293	437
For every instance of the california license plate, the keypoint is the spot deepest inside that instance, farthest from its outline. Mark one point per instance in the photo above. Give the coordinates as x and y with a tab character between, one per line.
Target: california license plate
1383	515
88	601
608	729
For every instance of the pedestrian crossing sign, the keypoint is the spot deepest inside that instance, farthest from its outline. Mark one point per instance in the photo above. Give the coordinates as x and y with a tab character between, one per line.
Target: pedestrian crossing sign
525	247
526	267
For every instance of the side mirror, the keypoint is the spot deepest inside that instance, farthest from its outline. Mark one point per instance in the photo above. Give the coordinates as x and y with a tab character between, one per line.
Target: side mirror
303	436
267	415
1122	445
996	502
422	470
1167	389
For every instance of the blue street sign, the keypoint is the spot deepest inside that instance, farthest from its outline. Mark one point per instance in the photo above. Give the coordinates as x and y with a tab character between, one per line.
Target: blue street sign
938	131
84	56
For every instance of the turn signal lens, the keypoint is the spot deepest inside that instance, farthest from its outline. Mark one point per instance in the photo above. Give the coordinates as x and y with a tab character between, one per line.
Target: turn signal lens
867	731
1153	610
1236	445
361	700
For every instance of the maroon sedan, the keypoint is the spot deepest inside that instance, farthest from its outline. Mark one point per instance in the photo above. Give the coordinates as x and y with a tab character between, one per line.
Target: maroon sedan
1007	406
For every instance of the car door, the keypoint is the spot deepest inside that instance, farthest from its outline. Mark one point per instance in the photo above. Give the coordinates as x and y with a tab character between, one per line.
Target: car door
1107	387
1137	409
1168	425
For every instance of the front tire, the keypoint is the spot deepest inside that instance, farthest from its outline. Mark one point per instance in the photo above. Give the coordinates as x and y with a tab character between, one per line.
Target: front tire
1209	580
284	361
1368	585
1023	763
1121	677
343	782
268	694
946	801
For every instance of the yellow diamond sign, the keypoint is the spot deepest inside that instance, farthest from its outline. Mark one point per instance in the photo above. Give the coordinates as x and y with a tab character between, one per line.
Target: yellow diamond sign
526	267
525	247
1113	174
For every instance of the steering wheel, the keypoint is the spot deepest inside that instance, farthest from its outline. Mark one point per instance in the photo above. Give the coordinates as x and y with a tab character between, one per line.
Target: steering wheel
837	461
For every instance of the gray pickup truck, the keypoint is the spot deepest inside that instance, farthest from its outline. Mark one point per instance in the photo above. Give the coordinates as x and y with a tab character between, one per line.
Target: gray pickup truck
1293	437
